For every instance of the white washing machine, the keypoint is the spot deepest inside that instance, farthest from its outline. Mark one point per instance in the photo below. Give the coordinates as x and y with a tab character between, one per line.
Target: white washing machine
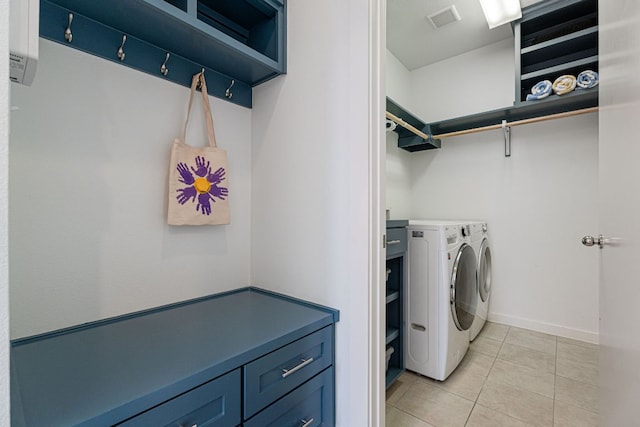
480	244
441	296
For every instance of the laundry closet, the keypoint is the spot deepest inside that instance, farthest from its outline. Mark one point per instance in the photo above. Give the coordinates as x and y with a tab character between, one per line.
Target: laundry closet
537	202
535	188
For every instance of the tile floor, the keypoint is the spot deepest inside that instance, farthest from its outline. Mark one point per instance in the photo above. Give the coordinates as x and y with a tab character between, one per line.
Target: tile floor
510	377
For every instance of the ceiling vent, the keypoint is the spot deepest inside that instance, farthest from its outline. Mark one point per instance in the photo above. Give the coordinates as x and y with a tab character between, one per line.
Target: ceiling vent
444	16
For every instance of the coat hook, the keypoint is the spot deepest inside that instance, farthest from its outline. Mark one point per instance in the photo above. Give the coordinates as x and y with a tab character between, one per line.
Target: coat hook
199	85
121	49
67	33
228	92
163	69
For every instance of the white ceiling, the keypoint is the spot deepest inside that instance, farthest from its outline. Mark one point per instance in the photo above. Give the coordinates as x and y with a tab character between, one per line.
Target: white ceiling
416	43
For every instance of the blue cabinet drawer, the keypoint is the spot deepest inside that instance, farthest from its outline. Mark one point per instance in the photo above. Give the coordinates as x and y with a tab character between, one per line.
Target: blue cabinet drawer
396	241
216	403
310	405
276	374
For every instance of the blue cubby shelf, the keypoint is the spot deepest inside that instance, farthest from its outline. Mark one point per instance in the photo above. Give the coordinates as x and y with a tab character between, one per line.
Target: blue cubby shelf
243	42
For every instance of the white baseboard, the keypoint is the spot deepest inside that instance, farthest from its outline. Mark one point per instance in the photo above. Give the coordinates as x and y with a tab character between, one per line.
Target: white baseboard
547	328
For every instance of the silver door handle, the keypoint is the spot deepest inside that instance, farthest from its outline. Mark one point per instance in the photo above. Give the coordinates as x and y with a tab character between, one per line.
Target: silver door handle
393	242
591	241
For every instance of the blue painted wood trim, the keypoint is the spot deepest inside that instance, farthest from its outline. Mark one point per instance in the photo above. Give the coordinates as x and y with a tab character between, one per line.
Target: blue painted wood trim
100	40
334	313
88	325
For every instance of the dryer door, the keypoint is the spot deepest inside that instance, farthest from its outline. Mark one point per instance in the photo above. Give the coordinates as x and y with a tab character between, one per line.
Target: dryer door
464	295
484	271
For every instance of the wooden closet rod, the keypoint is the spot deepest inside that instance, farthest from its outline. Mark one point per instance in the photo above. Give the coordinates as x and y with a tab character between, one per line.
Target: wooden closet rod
423	135
407	126
519	122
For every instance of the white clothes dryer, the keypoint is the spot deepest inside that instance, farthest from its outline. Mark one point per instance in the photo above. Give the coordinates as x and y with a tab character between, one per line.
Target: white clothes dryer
441	296
480	244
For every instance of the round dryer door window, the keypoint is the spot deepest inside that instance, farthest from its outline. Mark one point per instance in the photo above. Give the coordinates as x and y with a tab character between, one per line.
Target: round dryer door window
464	293
484	271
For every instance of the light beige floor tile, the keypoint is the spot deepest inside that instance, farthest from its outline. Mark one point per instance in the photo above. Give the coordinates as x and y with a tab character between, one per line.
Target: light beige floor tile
485	417
523	405
577	353
397	418
524	356
435	405
576	393
578	343
570	416
522	377
400	387
495	331
532	340
487	346
583	372
464	383
476	363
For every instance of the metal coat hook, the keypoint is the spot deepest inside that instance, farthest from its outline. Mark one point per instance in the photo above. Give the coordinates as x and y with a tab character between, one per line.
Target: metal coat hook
199	85
163	69
507	138
121	49
68	36
228	92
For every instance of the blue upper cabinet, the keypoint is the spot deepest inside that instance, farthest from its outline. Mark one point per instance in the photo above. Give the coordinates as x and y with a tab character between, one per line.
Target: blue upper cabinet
236	41
556	38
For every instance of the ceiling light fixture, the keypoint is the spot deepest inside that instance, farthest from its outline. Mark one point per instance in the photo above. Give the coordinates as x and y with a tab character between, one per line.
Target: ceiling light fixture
499	12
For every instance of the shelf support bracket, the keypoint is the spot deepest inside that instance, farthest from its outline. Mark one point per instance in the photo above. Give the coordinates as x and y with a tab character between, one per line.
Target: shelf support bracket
507	138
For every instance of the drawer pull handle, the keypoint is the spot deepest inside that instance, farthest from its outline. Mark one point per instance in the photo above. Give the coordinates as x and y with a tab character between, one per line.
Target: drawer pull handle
305	362
393	242
306	423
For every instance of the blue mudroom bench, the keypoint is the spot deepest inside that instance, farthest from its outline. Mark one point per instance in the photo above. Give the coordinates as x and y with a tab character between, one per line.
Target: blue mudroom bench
247	357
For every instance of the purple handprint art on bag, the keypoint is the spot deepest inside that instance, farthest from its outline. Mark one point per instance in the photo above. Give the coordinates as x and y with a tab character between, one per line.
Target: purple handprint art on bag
205	186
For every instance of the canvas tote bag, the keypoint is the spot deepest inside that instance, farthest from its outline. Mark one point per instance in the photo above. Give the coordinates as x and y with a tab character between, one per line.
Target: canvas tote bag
198	183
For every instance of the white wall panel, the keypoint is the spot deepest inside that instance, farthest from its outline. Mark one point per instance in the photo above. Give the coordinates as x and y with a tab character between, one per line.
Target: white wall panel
89	161
398	178
310	231
4	225
474	82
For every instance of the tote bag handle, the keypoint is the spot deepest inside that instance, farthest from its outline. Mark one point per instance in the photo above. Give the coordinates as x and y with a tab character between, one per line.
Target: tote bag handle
207	109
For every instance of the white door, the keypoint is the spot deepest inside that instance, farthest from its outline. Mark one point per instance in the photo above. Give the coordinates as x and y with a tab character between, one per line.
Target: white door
619	208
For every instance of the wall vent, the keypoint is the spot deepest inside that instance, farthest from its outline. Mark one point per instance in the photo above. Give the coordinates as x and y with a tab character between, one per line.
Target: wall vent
444	16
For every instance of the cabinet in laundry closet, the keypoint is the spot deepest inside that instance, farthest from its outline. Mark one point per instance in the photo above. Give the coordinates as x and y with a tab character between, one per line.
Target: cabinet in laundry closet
395	279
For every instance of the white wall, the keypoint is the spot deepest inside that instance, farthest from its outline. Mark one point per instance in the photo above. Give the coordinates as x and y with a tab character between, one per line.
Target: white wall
397	80
4	226
476	81
310	199
539	202
89	156
398	177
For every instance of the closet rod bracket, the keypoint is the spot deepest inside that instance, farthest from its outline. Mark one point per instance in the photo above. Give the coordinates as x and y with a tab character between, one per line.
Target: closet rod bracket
507	138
